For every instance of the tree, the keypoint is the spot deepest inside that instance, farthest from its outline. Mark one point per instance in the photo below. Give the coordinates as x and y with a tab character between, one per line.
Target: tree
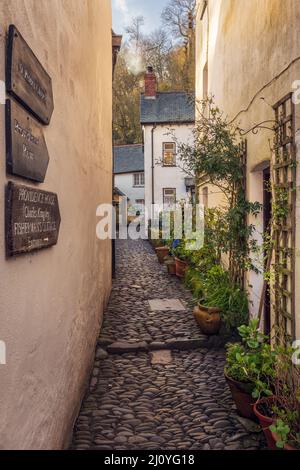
126	103
134	30
179	17
156	49
173	62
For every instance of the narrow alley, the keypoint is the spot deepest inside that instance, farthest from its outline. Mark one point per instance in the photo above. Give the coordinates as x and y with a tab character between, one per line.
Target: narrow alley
157	381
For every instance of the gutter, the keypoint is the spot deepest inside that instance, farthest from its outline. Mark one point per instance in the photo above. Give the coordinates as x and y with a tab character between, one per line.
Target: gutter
152	161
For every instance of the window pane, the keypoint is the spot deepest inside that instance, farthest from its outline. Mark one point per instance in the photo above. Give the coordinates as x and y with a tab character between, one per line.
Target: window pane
169	154
138	179
169	196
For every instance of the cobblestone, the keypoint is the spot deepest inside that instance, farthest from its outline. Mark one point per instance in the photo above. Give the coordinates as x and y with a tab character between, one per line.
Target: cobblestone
134	404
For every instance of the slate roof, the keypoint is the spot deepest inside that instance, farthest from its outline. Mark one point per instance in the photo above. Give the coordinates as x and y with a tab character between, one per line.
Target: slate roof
118	192
128	158
168	107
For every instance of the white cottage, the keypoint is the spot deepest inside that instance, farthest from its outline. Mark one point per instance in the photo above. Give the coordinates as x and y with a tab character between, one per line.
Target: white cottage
165	118
129	173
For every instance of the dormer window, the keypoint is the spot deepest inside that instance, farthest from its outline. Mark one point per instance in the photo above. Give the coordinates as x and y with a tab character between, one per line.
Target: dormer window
169	154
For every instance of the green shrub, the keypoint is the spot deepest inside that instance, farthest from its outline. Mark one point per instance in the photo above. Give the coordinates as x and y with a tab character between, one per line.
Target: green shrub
211	287
252	362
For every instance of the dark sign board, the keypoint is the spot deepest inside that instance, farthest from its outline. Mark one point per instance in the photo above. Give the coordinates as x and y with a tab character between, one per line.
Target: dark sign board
26	78
26	150
32	219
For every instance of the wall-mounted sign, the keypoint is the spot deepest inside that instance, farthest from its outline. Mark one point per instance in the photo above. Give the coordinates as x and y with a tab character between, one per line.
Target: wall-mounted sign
26	78
32	219
26	150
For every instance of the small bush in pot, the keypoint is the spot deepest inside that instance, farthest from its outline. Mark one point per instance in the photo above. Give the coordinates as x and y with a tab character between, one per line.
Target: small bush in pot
263	410
213	292
169	261
286	428
181	255
249	368
162	252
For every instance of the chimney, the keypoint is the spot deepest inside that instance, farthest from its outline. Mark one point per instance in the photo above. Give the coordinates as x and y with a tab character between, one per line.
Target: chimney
150	84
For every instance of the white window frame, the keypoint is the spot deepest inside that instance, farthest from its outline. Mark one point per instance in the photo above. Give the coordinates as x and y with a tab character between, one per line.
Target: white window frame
139	180
165	150
167	203
140	201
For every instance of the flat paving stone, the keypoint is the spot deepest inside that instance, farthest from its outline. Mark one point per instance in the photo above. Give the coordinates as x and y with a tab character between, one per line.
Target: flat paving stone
140	399
161	357
166	304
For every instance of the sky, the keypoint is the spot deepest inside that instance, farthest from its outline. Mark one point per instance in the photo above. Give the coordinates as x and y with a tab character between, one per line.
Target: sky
124	10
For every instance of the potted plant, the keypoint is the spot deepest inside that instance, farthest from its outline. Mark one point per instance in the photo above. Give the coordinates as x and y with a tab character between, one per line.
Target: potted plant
249	369
286	428
208	318
181	255
170	263
219	302
265	413
286	437
162	252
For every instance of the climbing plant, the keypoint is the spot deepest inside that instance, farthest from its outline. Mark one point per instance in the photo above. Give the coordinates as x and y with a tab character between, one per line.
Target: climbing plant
214	158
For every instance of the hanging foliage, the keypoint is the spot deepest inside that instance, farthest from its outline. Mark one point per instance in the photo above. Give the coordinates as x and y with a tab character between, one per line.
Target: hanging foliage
215	158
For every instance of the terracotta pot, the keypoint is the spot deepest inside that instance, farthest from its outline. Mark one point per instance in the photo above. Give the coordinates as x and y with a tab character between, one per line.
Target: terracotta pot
155	242
181	267
286	447
209	319
242	398
162	252
266	421
171	267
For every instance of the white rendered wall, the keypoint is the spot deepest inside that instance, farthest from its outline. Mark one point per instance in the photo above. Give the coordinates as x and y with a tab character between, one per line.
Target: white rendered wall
164	177
124	182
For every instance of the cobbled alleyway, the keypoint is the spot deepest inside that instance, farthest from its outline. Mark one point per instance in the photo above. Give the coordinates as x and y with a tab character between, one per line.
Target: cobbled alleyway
157	382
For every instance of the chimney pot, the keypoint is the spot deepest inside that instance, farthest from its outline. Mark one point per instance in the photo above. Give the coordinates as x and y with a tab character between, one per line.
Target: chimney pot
150	83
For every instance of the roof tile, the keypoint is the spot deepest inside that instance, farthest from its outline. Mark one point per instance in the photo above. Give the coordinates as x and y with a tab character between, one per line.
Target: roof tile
128	158
168	107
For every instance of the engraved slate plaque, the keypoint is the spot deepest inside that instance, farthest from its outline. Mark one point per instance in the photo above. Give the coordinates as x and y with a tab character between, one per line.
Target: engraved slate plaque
32	219
26	78
26	150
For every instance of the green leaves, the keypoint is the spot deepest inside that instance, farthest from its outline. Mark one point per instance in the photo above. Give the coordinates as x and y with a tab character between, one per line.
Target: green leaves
252	360
282	431
215	158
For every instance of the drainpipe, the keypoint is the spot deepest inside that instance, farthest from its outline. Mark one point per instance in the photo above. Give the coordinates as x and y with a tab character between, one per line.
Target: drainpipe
152	164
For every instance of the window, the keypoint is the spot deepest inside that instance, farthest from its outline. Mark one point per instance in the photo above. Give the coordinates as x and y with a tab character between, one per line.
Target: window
169	196
138	179
169	154
140	201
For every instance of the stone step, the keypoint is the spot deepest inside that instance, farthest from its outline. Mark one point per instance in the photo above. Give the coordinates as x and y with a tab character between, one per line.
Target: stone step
178	344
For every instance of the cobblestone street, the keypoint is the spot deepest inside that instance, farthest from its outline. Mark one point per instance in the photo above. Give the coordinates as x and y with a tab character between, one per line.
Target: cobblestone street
157	382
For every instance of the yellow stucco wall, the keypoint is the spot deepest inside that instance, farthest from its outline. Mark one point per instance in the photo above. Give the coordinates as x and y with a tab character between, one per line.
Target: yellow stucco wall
51	302
247	45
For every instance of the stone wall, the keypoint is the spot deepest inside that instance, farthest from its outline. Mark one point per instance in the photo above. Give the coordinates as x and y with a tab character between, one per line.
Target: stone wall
250	49
51	302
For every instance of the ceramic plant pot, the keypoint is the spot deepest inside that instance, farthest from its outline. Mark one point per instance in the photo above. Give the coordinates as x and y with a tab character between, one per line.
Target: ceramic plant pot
162	252
181	267
171	267
209	319
241	397
286	447
265	421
